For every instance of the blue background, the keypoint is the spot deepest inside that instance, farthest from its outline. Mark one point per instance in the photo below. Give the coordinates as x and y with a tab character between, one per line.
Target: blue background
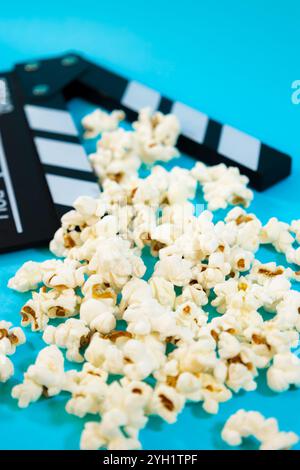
233	60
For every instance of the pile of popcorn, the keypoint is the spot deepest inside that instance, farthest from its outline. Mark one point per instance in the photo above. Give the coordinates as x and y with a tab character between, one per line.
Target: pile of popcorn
147	342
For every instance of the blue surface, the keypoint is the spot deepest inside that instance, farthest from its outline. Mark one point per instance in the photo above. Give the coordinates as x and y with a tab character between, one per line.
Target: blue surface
233	60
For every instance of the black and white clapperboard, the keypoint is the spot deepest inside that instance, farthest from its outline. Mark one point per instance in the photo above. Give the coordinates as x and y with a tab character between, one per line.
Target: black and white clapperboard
43	166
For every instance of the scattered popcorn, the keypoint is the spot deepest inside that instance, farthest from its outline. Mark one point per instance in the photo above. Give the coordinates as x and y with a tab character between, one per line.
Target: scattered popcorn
277	233
31	274
196	326
167	403
116	262
71	335
222	185
99	121
116	158
293	255
10	338
55	303
98	314
174	269
163	291
88	388
6	368
156	136
46	377
27	277
284	371
243	424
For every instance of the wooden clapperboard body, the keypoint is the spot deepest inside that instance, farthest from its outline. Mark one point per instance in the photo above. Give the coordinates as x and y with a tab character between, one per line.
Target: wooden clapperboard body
43	166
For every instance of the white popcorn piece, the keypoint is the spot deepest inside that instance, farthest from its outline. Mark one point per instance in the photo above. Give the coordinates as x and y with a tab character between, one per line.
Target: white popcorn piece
166	403
135	291
116	262
193	292
98	315
130	399
86	206
88	388
57	245
179	214
243	424
293	255
275	281
45	376
222	185
94	288
238	294
27	277
118	353
240	259
182	186
213	272
197	356
150	316
284	372
277	233
106	352
140	359
228	345
163	291
213	393
30	275
244	229
295	228
190	316
55	303
123	409
116	158
156	135
99	121
10	338
287	311
66	274
94	438
71	335
174	269
239	377
6	368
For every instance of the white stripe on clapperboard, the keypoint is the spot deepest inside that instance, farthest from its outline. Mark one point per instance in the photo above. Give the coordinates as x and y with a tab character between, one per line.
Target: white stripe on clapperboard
193	123
50	120
65	190
62	154
9	189
240	147
137	96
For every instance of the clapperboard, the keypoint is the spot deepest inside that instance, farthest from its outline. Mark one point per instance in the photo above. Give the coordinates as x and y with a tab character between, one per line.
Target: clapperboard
43	166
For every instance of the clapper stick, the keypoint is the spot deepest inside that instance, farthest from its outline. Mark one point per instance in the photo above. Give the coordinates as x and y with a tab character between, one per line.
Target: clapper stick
43	165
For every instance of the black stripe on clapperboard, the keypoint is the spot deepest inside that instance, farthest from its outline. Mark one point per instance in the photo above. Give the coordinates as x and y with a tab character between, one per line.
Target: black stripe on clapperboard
67	169
236	146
